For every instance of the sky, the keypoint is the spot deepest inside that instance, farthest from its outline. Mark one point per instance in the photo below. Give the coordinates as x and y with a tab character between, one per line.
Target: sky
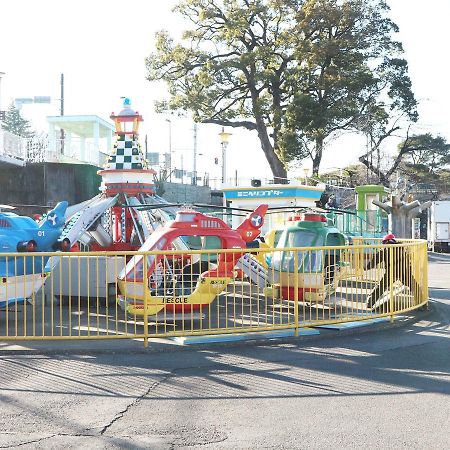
100	46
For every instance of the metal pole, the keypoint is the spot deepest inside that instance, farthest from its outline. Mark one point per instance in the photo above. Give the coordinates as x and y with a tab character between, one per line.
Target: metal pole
425	275
182	169
194	168
296	287
170	149
62	95
1	75
392	261
224	142
61	113
146	147
145	295
224	160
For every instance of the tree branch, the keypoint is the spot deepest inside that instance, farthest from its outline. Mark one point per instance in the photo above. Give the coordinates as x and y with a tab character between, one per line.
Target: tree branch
228	123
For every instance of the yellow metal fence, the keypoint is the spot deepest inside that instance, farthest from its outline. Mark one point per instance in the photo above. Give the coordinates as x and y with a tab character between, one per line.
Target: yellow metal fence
98	296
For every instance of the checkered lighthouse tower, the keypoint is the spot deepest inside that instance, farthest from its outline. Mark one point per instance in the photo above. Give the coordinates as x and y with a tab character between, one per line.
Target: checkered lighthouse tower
126	170
127	181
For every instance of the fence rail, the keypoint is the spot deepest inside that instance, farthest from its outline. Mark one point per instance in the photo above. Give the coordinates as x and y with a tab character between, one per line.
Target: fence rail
178	293
12	146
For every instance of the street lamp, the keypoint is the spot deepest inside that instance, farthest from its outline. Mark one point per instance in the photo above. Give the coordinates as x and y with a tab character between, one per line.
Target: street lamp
224	139
170	149
306	170
194	165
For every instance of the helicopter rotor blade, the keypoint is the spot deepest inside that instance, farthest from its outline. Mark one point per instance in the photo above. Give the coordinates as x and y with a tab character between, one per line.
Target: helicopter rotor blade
343	211
205	205
146	206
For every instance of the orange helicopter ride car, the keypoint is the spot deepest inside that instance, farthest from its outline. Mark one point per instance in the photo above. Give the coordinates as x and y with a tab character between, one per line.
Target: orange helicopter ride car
185	281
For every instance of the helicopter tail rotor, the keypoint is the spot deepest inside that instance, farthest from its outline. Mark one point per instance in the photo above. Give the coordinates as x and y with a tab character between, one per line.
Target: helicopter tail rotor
250	228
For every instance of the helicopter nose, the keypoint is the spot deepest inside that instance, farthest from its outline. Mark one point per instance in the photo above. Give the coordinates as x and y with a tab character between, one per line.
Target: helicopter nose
27	246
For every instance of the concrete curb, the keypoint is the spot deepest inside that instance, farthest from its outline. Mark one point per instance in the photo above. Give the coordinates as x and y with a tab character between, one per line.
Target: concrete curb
122	346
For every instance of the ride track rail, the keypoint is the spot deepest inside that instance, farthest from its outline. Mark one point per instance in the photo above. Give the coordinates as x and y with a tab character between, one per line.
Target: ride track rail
87	295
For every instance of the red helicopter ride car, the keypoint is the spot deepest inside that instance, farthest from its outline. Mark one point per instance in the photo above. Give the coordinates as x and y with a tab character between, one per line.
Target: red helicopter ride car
186	281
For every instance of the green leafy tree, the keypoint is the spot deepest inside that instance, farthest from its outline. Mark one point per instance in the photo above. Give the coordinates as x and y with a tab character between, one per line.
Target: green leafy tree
15	123
426	160
296	71
428	151
353	75
420	157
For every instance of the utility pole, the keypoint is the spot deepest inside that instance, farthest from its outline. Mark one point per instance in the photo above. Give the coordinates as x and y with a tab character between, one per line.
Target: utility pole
61	113
170	149
1	75
146	147
194	168
182	170
62	95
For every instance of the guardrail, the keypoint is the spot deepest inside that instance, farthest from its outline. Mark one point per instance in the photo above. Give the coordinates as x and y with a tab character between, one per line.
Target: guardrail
12	146
105	295
44	149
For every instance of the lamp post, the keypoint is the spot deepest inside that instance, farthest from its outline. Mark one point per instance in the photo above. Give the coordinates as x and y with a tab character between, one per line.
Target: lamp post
170	149
194	165
306	176
224	139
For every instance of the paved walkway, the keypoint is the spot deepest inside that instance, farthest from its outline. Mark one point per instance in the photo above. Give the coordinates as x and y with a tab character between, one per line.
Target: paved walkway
387	388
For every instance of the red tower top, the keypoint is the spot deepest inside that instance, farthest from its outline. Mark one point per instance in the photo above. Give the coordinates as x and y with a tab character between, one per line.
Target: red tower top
127	121
127	170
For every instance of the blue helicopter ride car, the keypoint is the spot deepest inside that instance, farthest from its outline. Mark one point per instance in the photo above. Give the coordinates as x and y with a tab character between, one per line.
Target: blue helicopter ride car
21	276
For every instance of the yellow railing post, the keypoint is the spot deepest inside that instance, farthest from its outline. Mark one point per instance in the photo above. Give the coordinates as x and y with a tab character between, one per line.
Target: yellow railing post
425	273
145	292
295	292
391	282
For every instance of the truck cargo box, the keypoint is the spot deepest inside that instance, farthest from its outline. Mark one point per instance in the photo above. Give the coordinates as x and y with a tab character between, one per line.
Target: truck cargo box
439	226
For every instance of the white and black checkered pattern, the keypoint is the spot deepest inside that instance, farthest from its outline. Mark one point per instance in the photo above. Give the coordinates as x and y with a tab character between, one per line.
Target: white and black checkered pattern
128	154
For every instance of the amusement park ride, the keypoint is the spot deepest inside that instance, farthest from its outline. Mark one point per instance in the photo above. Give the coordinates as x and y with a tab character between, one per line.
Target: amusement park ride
123	217
128	216
108	221
23	275
184	282
313	271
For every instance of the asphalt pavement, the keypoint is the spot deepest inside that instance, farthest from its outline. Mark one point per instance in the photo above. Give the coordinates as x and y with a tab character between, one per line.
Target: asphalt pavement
383	386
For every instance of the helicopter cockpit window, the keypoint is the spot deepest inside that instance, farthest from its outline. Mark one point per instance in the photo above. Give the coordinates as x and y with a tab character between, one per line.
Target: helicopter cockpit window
4	223
307	260
183	217
300	239
211	243
193	242
204	243
333	239
135	266
332	256
277	237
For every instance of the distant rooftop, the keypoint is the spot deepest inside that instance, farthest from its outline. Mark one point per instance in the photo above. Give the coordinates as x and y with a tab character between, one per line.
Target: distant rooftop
83	125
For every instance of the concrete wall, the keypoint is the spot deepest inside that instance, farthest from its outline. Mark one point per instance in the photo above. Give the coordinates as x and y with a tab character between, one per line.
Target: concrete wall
186	193
45	184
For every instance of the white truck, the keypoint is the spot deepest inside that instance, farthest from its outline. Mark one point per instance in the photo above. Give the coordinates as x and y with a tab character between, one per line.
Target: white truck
438	234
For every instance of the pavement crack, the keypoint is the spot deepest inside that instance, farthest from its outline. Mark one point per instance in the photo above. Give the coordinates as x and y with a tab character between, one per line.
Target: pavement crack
33	441
136	401
214	441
